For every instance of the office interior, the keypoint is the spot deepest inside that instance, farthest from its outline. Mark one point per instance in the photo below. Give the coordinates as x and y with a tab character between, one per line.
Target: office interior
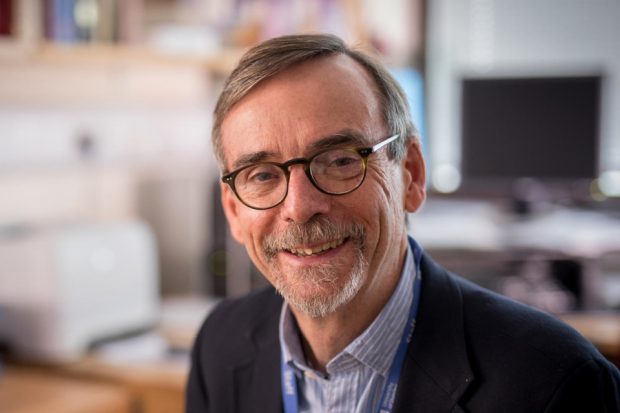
113	245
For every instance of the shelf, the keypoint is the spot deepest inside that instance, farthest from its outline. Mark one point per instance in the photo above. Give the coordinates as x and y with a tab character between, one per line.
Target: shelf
219	64
50	74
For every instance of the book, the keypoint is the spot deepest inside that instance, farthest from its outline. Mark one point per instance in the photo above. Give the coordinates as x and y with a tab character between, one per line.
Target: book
59	21
6	18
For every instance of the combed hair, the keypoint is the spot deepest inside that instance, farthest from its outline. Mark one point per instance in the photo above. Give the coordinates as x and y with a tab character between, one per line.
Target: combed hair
275	55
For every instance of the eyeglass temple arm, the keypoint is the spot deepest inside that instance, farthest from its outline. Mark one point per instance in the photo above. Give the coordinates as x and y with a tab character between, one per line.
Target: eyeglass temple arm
385	142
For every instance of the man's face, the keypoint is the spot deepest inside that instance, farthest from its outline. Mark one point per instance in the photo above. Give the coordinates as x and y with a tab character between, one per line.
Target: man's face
321	251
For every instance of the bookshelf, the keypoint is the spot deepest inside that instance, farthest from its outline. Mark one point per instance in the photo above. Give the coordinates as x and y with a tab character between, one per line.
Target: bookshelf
98	46
101	126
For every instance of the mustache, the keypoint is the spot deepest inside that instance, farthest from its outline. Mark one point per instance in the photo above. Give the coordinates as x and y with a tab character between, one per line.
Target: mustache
318	229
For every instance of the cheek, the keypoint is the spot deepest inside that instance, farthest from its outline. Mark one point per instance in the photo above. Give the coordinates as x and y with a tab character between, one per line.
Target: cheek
387	191
384	204
254	225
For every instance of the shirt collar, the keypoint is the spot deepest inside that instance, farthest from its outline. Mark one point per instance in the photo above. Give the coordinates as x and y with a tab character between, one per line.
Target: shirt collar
290	343
376	346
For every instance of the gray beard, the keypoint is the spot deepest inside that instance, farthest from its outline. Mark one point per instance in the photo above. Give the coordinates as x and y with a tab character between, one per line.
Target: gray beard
320	305
322	278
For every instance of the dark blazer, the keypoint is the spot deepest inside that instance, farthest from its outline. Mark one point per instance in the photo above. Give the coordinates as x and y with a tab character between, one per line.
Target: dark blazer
472	351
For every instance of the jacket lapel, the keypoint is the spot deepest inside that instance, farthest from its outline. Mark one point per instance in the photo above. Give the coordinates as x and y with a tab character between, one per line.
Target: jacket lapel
256	379
437	372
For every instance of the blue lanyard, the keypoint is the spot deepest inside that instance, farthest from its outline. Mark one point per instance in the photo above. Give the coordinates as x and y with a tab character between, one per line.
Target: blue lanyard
289	381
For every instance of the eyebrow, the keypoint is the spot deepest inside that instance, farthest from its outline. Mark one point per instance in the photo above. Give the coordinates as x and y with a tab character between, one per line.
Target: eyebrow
341	138
338	139
251	158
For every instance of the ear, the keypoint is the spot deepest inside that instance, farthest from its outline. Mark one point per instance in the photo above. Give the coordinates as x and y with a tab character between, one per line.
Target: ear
414	176
230	205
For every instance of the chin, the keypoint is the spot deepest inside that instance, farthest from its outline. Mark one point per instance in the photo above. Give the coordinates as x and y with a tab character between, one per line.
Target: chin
319	291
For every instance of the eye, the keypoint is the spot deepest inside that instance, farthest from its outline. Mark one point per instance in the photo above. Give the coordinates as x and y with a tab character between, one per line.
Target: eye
262	177
261	174
336	159
342	161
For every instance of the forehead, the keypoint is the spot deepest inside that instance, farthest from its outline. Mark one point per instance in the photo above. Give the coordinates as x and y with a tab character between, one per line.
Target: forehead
284	115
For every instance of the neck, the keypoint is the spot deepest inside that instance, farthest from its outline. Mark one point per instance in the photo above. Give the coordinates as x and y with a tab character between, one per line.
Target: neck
323	338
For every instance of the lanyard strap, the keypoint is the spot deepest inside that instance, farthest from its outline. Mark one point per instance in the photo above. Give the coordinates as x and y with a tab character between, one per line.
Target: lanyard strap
389	391
289	381
289	388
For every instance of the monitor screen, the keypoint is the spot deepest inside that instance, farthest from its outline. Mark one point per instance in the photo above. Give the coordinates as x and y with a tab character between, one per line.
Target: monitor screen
546	128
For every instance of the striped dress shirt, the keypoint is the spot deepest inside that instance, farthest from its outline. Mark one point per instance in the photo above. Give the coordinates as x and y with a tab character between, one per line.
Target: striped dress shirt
356	376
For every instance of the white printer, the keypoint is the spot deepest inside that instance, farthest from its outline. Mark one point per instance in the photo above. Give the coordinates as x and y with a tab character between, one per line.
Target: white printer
63	288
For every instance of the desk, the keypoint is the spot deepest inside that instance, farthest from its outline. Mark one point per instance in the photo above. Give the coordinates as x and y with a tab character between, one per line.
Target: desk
483	242
106	382
482	226
93	386
30	390
156	387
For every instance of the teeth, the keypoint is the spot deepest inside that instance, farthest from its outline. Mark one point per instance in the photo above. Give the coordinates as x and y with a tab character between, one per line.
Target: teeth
317	249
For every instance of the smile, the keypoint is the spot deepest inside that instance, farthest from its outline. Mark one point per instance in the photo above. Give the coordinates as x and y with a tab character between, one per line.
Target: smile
306	252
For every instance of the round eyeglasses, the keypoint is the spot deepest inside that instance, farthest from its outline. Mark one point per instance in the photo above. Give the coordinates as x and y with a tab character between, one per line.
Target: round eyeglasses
337	171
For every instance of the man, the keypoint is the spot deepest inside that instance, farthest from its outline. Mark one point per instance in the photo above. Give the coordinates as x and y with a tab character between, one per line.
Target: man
320	165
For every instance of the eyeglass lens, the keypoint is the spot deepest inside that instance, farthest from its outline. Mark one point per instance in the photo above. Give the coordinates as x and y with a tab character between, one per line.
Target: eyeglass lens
336	172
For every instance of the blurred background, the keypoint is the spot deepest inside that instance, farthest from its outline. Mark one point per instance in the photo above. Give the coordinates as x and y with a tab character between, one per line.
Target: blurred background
113	245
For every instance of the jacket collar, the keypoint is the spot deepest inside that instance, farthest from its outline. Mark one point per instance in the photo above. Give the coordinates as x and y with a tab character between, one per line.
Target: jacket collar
437	371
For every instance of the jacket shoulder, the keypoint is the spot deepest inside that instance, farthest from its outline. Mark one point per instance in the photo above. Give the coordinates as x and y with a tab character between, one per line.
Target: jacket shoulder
487	317
521	329
512	357
238	318
238	339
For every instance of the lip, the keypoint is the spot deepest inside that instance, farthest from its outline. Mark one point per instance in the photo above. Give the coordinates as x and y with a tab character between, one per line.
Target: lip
320	247
315	259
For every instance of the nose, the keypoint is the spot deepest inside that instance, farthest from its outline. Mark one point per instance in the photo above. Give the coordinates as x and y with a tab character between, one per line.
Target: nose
303	200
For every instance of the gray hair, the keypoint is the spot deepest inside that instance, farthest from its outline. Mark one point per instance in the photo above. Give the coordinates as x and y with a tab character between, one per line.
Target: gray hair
275	55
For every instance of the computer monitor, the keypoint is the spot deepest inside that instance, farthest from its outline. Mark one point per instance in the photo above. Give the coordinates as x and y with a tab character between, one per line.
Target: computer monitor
544	128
